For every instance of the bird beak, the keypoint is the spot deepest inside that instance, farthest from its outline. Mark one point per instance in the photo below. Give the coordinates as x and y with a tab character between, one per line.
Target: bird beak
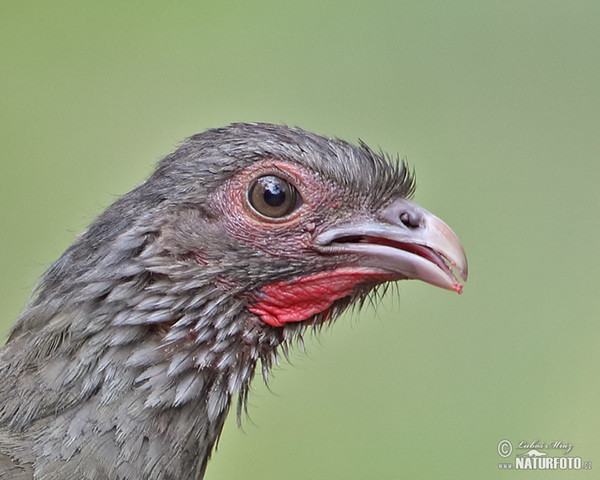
406	241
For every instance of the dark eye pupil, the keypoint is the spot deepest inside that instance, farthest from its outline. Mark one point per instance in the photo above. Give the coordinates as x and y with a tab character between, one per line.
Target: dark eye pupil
274	195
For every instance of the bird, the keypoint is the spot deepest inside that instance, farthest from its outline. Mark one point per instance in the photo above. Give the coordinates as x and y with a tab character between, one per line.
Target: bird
138	340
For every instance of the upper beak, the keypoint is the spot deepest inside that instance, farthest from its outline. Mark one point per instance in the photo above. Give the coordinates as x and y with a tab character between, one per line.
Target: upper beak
405	240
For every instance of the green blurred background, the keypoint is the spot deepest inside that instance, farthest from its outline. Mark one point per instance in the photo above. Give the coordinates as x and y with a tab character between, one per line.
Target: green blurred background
495	104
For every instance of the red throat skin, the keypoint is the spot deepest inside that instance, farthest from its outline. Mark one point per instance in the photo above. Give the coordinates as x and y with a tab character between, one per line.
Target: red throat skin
284	302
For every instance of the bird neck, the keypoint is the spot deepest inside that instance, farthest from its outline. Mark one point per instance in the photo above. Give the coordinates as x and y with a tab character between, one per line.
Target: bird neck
200	349
145	357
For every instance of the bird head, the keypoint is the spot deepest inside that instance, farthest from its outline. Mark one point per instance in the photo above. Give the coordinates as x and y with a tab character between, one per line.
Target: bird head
302	225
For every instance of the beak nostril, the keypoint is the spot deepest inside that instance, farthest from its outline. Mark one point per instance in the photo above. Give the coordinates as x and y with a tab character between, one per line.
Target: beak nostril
410	220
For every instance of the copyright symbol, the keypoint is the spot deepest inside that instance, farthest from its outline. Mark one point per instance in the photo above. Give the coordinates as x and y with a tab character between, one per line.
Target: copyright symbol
504	448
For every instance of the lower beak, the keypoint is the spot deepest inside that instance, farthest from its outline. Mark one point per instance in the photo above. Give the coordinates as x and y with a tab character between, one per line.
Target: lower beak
404	240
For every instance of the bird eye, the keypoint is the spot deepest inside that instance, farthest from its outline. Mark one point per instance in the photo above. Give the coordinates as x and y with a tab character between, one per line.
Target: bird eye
273	197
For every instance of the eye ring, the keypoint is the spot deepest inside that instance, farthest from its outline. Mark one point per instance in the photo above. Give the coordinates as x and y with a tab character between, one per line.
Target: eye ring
273	197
